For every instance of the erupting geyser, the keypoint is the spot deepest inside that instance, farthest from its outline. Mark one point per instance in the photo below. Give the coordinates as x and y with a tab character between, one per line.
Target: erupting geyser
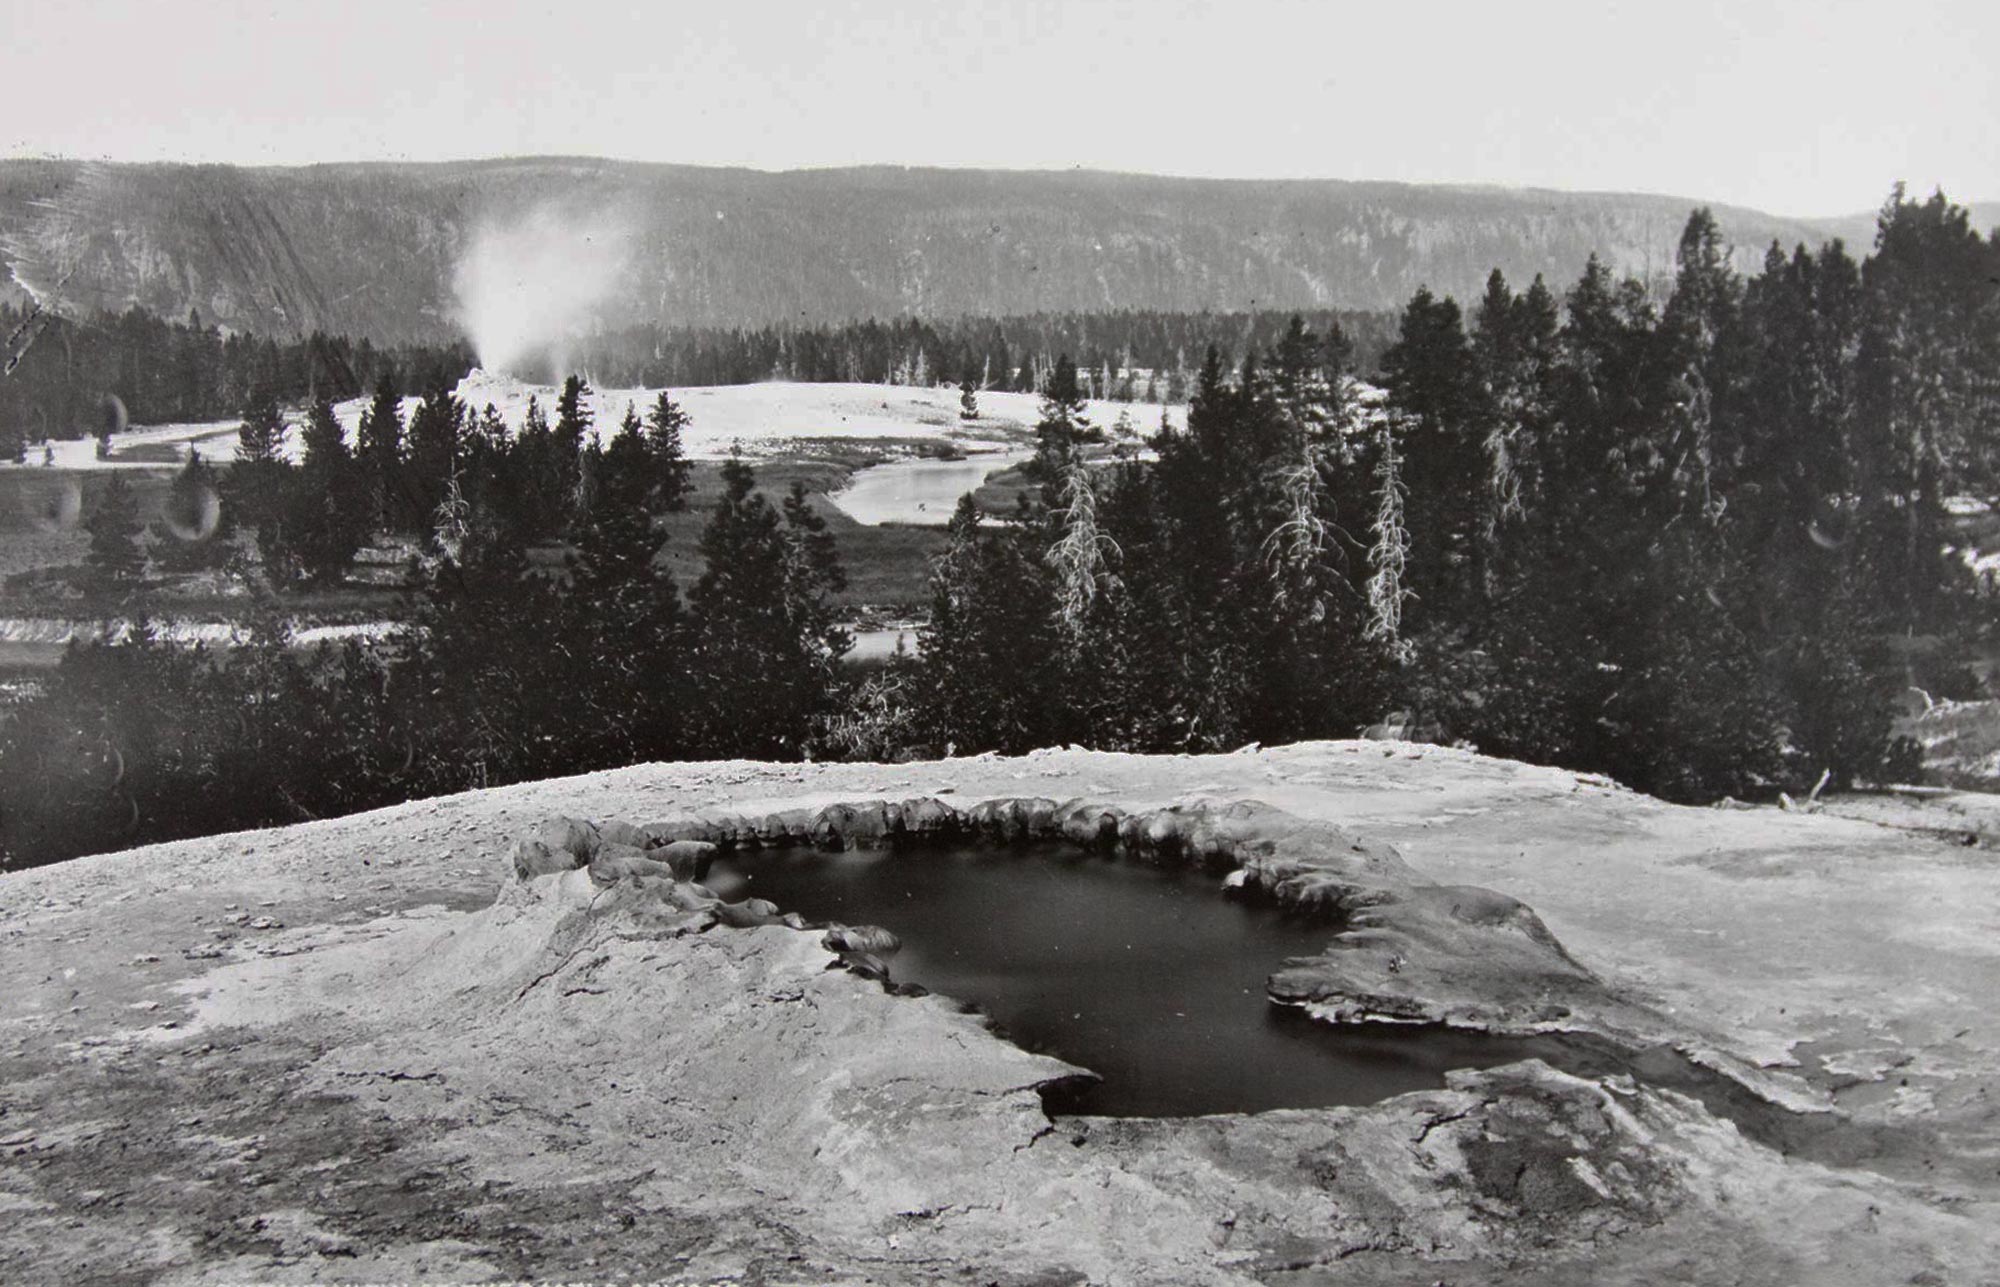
524	284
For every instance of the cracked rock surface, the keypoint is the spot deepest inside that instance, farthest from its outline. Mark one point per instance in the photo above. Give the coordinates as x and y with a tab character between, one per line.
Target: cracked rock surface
330	1053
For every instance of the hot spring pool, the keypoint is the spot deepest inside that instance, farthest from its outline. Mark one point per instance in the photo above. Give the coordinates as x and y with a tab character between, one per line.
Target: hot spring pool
1150	977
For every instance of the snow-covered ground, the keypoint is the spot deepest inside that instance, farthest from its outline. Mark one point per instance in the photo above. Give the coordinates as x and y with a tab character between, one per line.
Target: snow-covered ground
757	419
762	419
216	439
880	645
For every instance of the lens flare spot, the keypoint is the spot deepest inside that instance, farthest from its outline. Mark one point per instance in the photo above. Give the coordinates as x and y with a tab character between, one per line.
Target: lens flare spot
193	513
111	415
58	507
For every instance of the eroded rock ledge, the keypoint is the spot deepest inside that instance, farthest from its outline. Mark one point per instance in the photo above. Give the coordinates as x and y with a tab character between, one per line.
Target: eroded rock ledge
594	1077
904	1136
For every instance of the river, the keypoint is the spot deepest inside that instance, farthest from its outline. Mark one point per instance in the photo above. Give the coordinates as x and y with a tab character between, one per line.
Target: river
918	492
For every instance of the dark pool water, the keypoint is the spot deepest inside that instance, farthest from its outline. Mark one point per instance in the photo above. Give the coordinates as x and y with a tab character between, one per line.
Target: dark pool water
1152	979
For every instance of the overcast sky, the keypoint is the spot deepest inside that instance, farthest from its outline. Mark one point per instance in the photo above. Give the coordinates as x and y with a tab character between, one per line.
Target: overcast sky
1790	106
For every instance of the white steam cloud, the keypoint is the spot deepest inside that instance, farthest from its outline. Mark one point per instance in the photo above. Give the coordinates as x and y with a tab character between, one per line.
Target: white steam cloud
525	286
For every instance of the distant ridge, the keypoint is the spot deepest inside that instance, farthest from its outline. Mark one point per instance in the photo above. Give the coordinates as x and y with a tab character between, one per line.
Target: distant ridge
367	248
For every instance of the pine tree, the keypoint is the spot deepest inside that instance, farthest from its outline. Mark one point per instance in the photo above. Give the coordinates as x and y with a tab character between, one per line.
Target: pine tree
1928	379
589	483
1125	685
572	432
671	469
1697	329
1178	378
1428	374
1389	559
1496	353
544	483
117	559
488	476
759	677
1567	627
1805	548
1206	566
260	439
490	673
1062	430
813	575
491	430
436	447
260	488
1838	682
1081	554
1300	380
988	660
1513	351
331	519
1305	475
626	608
625	471
379	447
1695	718
1802	447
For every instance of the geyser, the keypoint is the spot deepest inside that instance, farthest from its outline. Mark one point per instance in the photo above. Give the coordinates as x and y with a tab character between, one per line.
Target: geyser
526	284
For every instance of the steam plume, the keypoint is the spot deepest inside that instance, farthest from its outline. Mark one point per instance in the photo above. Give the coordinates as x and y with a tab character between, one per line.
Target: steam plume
524	286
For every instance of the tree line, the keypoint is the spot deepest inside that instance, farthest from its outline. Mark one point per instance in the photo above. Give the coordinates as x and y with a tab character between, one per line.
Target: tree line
166	372
543	635
1121	355
401	480
1677	541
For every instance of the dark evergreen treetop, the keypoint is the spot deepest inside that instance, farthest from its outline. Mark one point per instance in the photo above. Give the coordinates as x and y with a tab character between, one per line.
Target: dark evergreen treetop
573	415
1064	425
331	507
435	448
671	468
117	558
261	436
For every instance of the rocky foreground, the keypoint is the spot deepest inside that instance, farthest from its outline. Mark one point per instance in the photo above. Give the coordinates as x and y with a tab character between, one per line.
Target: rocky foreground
404	1046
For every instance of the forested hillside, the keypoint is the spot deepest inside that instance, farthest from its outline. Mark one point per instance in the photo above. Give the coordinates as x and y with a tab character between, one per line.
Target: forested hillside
369	251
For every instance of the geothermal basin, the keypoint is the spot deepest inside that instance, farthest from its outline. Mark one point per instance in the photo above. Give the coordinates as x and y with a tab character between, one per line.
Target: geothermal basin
374	1049
1151	977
